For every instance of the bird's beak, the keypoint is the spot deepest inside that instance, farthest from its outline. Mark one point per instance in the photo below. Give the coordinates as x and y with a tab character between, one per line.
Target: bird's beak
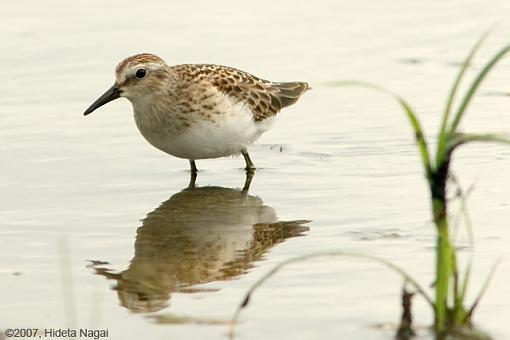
111	94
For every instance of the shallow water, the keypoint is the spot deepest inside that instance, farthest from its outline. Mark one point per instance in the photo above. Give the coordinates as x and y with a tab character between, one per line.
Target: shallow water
76	189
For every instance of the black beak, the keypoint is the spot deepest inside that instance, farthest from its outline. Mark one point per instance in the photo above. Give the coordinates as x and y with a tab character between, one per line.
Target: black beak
111	94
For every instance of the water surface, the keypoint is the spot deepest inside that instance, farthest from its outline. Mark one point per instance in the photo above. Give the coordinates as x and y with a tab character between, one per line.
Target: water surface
76	189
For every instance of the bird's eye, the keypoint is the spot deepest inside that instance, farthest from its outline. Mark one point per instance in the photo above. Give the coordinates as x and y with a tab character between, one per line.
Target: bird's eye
140	73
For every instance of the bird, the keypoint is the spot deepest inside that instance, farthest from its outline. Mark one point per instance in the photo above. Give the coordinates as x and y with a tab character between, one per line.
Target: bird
198	111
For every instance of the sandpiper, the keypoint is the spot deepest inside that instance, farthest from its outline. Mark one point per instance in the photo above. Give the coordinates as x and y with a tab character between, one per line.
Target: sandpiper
198	111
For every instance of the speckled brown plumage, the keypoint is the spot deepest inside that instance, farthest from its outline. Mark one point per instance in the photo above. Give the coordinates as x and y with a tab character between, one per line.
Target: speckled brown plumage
263	97
136	59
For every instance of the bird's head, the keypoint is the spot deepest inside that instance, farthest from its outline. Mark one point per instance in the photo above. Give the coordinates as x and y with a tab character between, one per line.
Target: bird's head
135	78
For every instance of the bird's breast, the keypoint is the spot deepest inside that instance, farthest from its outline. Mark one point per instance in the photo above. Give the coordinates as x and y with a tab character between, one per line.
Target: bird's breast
198	129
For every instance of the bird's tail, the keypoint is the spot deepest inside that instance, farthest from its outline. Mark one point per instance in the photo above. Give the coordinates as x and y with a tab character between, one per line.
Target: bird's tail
289	92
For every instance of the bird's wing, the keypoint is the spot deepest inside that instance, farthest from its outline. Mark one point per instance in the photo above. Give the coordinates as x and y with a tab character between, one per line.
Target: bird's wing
264	98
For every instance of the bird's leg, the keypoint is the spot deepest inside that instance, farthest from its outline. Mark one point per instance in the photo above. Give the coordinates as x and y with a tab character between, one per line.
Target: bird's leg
250	167
193	176
247	181
250	170
193	166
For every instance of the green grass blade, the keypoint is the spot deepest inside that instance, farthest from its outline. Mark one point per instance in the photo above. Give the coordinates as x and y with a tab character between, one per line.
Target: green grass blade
464	138
411	115
474	86
453	91
484	289
460	298
246	299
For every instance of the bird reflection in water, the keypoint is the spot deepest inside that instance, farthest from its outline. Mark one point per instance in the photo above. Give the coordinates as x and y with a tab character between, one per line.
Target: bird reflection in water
197	236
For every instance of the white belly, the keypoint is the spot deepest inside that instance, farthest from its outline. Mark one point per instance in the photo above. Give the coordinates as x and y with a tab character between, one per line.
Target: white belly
223	135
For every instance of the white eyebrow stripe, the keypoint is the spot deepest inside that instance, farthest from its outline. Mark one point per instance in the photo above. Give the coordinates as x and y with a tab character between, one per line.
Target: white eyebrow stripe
148	66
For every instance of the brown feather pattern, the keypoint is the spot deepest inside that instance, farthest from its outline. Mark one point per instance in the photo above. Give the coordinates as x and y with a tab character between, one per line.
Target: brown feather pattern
264	98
